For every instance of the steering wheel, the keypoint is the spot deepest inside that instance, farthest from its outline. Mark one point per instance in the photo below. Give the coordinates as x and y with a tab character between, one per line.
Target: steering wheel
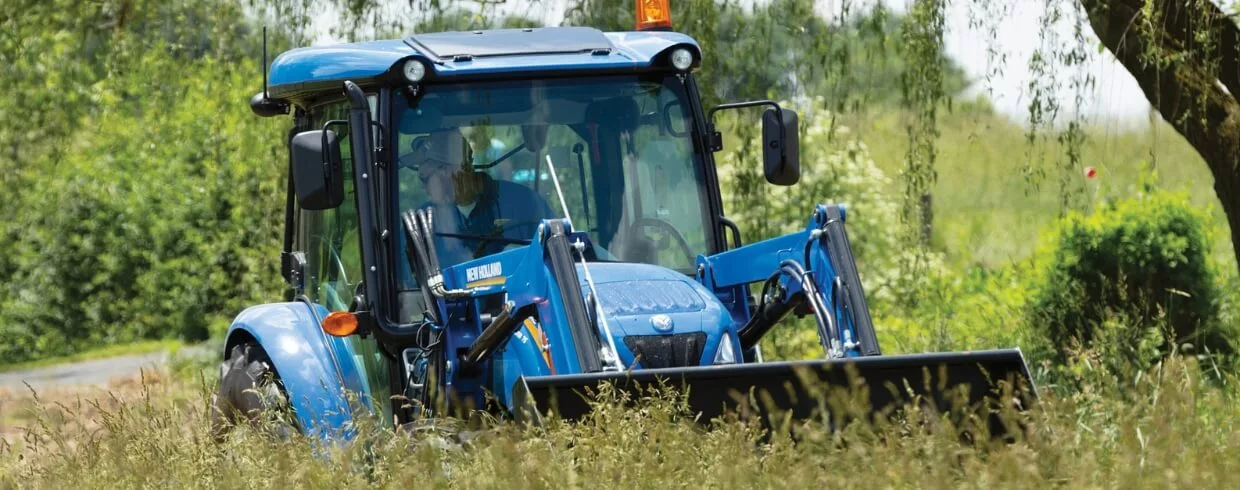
671	231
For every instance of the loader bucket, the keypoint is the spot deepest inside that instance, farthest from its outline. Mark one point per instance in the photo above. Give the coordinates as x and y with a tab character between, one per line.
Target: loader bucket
830	390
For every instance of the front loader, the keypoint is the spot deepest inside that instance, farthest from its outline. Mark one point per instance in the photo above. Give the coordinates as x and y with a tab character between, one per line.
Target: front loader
506	220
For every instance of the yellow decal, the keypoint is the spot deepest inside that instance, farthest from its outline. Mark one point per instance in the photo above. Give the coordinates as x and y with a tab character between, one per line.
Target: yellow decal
541	341
494	281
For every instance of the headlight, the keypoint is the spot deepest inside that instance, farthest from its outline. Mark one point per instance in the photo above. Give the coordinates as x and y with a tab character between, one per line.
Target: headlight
726	353
414	71
682	59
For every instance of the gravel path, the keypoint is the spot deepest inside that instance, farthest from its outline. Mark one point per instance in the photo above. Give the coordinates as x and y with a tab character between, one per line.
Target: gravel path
86	373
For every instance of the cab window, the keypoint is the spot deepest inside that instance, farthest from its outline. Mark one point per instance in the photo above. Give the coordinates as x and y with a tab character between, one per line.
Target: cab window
329	237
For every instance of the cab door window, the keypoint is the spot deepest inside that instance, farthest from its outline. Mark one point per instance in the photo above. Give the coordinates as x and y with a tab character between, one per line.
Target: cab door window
329	237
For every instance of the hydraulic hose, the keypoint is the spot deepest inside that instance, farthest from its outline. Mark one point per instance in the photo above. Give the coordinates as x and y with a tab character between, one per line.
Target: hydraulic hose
769	314
844	263
425	220
416	251
827	332
435	275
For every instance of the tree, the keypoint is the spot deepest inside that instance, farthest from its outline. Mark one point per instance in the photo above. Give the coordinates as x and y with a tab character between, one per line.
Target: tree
142	196
1185	55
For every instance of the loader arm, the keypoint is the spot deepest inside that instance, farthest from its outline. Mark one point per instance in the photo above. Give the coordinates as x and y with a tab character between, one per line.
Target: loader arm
813	268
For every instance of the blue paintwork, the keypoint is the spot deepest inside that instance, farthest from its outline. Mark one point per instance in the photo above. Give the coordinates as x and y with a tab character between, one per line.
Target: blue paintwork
292	338
519	357
358	61
304	68
738	266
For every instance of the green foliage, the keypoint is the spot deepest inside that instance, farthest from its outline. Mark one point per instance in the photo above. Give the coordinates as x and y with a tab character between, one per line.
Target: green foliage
1127	277
154	213
974	309
986	215
836	168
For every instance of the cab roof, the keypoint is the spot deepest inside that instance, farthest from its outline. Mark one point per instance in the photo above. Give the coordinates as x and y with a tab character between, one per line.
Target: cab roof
471	53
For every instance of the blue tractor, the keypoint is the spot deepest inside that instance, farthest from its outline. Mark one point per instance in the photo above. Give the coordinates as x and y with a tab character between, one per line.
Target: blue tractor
502	220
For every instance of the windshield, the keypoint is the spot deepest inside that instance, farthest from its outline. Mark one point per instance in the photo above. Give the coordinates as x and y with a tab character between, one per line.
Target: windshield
478	153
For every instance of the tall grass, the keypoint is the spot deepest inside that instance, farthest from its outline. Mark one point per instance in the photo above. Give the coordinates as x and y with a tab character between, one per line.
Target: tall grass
1171	426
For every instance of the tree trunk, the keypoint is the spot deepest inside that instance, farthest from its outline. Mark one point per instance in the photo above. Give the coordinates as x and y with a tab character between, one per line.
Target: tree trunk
1170	57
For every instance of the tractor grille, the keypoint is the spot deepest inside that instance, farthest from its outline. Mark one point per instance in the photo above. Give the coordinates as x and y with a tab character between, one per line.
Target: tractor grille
664	351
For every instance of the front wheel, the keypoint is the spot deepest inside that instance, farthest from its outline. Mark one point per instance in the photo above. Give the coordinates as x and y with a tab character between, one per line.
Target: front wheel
249	392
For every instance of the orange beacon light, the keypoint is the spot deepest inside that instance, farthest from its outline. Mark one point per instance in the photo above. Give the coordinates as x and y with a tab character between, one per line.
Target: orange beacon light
654	15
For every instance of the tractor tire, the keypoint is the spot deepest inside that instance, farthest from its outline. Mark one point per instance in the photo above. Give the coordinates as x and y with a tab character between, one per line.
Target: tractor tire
250	392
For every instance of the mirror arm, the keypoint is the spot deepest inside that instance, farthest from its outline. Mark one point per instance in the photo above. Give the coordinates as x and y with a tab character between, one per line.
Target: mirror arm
333	122
731	226
328	124
716	139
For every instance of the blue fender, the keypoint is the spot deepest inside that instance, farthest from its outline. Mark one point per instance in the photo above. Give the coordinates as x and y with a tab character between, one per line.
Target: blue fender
311	374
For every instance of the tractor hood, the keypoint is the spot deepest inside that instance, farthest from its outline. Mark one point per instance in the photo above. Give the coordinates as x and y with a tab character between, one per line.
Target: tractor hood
658	317
633	294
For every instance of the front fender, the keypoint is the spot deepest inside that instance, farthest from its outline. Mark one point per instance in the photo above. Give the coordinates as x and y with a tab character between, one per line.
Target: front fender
295	343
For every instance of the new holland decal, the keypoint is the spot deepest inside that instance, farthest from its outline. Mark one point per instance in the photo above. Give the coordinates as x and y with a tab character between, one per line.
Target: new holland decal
485	275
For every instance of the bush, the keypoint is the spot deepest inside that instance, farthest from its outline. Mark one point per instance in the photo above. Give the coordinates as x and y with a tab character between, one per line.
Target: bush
1134	280
160	215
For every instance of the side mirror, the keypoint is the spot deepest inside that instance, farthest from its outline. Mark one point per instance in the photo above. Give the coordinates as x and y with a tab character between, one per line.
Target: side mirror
781	149
318	176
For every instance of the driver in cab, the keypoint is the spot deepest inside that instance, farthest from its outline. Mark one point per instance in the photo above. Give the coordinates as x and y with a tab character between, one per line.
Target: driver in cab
474	214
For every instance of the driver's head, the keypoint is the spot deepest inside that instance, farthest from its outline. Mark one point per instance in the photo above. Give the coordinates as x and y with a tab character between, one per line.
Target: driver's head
447	169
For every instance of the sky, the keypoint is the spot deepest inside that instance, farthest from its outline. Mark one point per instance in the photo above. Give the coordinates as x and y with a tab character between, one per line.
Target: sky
1115	99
